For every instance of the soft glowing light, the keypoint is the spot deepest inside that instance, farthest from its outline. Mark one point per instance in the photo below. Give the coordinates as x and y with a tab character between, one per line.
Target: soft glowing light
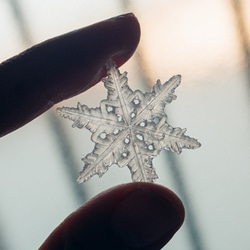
190	38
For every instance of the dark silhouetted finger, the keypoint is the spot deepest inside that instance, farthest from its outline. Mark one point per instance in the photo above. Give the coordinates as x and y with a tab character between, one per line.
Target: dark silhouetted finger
130	216
57	69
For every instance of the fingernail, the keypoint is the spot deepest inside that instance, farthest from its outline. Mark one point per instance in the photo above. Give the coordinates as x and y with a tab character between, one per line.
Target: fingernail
126	15
143	218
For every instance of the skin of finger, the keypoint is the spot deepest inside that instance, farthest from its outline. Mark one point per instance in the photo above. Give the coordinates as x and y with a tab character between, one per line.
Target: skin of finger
62	67
89	226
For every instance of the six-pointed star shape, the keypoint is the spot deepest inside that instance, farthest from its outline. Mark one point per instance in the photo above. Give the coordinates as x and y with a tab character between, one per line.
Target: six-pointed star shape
129	128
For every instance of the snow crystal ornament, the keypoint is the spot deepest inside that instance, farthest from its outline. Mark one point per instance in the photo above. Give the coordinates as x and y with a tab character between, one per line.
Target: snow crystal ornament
129	128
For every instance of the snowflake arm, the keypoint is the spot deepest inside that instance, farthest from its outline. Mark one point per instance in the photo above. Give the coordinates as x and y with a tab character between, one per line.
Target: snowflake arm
129	128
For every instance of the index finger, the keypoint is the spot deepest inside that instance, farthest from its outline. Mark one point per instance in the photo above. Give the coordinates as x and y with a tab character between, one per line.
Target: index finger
59	68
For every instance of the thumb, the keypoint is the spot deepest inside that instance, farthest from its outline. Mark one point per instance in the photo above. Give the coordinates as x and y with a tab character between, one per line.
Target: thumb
129	216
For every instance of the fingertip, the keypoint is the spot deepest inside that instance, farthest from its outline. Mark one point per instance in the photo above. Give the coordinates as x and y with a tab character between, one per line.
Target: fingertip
148	216
130	42
128	216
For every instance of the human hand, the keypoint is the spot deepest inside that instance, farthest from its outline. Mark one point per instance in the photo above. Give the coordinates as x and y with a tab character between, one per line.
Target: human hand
134	215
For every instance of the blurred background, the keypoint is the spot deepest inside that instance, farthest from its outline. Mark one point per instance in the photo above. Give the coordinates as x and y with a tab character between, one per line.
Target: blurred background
204	41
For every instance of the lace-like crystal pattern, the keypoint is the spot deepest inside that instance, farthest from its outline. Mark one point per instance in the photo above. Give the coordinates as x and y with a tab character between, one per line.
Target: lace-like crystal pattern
129	128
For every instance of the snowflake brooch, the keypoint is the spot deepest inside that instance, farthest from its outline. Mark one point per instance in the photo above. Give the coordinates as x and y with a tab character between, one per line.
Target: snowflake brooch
129	128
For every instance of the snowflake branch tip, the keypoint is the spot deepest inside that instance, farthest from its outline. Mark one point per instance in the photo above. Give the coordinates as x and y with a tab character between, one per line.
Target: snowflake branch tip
110	64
